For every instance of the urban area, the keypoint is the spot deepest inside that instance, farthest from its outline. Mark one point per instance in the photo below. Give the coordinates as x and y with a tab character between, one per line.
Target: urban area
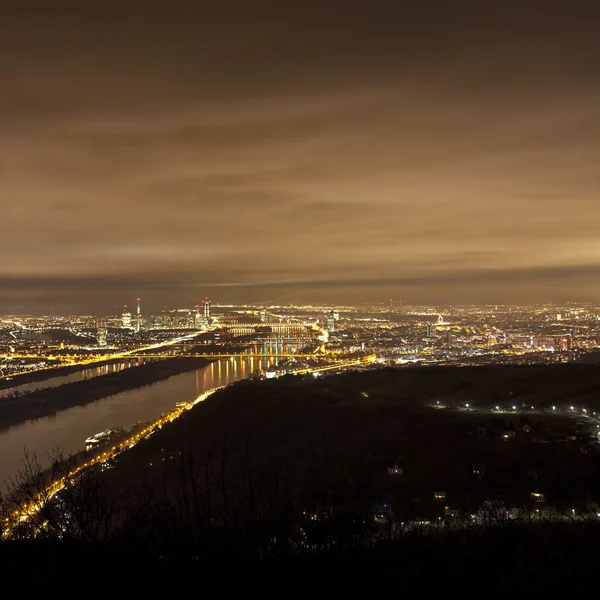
467	415
391	333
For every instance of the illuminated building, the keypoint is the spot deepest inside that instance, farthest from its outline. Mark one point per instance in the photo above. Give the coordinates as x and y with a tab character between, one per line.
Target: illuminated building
430	331
449	337
126	319
206	309
102	336
331	322
138	316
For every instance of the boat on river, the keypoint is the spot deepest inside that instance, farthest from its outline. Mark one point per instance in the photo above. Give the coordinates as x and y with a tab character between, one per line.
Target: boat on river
99	438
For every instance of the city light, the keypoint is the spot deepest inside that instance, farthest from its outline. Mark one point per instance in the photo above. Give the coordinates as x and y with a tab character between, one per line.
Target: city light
248	246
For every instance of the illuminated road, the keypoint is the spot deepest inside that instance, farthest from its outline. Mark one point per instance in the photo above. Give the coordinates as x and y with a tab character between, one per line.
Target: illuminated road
236	355
77	361
340	365
26	512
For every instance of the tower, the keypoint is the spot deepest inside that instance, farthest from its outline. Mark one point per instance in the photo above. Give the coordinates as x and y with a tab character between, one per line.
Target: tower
138	320
206	308
102	336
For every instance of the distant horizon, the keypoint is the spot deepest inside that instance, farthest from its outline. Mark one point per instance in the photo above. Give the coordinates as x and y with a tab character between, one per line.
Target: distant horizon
364	305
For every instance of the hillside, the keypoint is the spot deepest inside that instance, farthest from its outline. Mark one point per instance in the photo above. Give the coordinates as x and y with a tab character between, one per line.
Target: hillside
359	424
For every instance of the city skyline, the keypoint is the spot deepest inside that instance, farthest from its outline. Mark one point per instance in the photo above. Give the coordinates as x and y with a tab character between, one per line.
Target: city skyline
431	151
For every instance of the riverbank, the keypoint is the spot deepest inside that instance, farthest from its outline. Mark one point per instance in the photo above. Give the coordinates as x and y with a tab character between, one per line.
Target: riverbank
356	473
49	401
384	426
51	372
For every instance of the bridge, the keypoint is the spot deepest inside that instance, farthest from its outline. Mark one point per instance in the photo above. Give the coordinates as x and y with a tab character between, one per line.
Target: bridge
90	360
339	365
35	356
146	352
236	355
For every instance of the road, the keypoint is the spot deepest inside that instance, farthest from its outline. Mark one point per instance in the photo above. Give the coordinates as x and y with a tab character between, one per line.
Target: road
23	514
96	359
26	512
340	365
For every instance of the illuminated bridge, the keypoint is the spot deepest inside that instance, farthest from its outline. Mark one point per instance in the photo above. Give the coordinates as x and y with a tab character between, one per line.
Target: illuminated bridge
236	355
85	359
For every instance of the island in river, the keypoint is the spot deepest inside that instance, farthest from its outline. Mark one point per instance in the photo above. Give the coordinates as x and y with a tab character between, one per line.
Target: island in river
49	401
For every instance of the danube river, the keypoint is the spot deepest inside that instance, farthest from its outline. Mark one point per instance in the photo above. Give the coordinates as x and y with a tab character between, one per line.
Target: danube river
80	375
68	429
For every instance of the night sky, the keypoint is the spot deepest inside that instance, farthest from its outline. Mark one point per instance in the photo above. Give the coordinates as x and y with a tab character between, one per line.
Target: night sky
339	151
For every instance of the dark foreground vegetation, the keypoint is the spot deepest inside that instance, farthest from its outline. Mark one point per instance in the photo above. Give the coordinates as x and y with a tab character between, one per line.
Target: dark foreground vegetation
328	539
342	485
43	403
514	562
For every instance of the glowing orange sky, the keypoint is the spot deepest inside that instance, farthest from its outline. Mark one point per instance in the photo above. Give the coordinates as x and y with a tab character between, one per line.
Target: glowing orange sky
444	153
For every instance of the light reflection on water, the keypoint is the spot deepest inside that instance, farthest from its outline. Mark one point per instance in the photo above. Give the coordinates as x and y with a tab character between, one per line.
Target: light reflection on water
68	429
82	375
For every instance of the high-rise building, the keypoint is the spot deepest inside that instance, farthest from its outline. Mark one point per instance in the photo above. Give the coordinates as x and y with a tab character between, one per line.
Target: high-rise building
430	331
200	322
449	337
206	308
331	322
102	336
126	319
563	344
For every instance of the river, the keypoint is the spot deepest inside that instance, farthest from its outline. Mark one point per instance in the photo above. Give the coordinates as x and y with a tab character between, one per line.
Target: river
69	428
81	375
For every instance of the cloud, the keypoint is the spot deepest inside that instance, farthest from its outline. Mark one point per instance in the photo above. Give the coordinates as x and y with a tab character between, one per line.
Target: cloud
429	145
